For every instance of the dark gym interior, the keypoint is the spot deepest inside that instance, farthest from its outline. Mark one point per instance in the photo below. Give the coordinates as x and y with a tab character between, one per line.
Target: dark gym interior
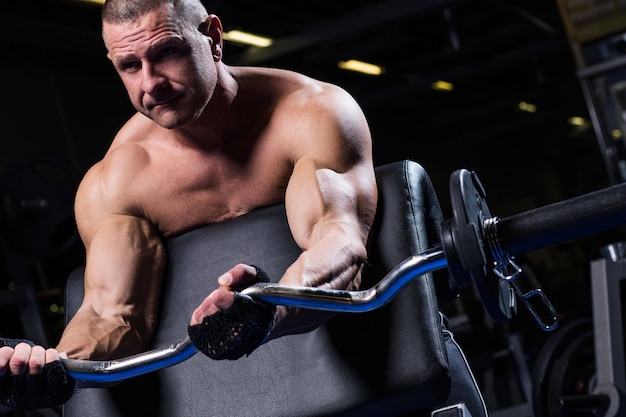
535	109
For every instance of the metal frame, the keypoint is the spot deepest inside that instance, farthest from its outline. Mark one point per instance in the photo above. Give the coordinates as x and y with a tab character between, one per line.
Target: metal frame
608	287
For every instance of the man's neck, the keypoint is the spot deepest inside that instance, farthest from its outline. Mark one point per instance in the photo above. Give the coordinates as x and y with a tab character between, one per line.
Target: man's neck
219	120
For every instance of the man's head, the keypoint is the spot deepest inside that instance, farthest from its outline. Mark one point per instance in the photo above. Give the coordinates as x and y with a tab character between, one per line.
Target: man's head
119	11
166	52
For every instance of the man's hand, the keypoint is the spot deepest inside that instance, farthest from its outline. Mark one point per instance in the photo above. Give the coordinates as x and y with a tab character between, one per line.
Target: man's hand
23	359
31	376
237	278
228	325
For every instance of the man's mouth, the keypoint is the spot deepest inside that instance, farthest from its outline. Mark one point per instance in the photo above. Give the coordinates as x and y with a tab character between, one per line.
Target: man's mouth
153	104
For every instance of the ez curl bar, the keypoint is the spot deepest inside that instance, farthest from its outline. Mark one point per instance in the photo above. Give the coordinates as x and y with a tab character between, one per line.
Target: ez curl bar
477	248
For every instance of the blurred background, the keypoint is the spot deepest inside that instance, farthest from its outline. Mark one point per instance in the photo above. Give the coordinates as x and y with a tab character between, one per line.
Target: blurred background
529	94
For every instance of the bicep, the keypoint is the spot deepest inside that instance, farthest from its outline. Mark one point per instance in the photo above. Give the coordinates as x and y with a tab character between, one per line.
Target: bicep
320	199
333	177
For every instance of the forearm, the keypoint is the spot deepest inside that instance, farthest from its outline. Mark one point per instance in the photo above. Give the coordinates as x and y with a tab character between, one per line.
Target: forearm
122	280
330	215
89	336
335	262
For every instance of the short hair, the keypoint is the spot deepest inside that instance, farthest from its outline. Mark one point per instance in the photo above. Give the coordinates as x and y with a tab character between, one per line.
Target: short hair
122	11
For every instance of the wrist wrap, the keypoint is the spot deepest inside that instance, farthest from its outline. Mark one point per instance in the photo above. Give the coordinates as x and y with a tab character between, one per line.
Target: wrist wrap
237	331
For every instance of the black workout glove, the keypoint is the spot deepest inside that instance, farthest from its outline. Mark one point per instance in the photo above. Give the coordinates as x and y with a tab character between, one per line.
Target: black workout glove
232	333
52	387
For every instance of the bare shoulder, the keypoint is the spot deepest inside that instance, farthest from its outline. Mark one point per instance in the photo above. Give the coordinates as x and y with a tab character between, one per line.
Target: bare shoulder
305	96
318	118
126	157
299	96
115	172
108	188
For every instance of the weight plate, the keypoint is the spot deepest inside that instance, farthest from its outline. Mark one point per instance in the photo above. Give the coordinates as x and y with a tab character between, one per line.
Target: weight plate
564	366
464	243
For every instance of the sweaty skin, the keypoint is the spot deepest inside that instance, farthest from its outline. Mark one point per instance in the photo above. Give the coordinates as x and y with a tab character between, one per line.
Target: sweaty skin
210	142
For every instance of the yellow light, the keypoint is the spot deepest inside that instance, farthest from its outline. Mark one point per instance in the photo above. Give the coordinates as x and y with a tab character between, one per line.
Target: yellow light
616	134
576	121
527	107
441	85
246	38
360	66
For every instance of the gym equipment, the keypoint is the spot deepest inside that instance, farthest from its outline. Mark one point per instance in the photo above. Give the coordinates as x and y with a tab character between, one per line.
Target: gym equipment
564	370
580	369
477	248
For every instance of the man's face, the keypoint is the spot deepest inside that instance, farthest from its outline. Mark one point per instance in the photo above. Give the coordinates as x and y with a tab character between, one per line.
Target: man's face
166	66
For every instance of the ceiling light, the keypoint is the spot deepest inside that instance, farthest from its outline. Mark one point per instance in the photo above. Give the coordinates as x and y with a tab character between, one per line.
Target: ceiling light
246	38
527	107
360	66
576	121
441	85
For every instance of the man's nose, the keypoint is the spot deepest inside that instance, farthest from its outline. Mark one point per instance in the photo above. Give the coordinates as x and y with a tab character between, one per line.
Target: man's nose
152	80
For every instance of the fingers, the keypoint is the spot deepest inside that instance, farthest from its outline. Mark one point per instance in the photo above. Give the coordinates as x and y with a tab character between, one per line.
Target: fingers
54	355
37	360
24	359
241	275
5	355
220	299
19	361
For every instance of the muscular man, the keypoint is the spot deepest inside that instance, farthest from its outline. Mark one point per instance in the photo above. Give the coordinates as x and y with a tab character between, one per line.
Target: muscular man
209	142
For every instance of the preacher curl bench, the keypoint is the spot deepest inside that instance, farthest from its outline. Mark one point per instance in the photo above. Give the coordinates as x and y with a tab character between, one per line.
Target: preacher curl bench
391	361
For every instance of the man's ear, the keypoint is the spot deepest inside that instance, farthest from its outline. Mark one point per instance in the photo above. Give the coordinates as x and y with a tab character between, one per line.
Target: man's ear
212	27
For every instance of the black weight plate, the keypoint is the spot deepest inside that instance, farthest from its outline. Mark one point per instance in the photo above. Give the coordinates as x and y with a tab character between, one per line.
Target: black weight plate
549	372
469	210
572	372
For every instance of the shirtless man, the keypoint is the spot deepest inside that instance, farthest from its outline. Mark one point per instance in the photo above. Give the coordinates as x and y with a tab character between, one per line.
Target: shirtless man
209	142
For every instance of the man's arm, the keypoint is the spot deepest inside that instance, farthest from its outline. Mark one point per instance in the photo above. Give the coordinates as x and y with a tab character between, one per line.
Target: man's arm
123	273
330	201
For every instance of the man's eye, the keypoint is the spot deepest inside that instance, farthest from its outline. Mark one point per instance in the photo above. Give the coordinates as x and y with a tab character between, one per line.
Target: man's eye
165	52
130	66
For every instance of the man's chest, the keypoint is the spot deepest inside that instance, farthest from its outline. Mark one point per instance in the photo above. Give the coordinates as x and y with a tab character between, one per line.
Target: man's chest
186	195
